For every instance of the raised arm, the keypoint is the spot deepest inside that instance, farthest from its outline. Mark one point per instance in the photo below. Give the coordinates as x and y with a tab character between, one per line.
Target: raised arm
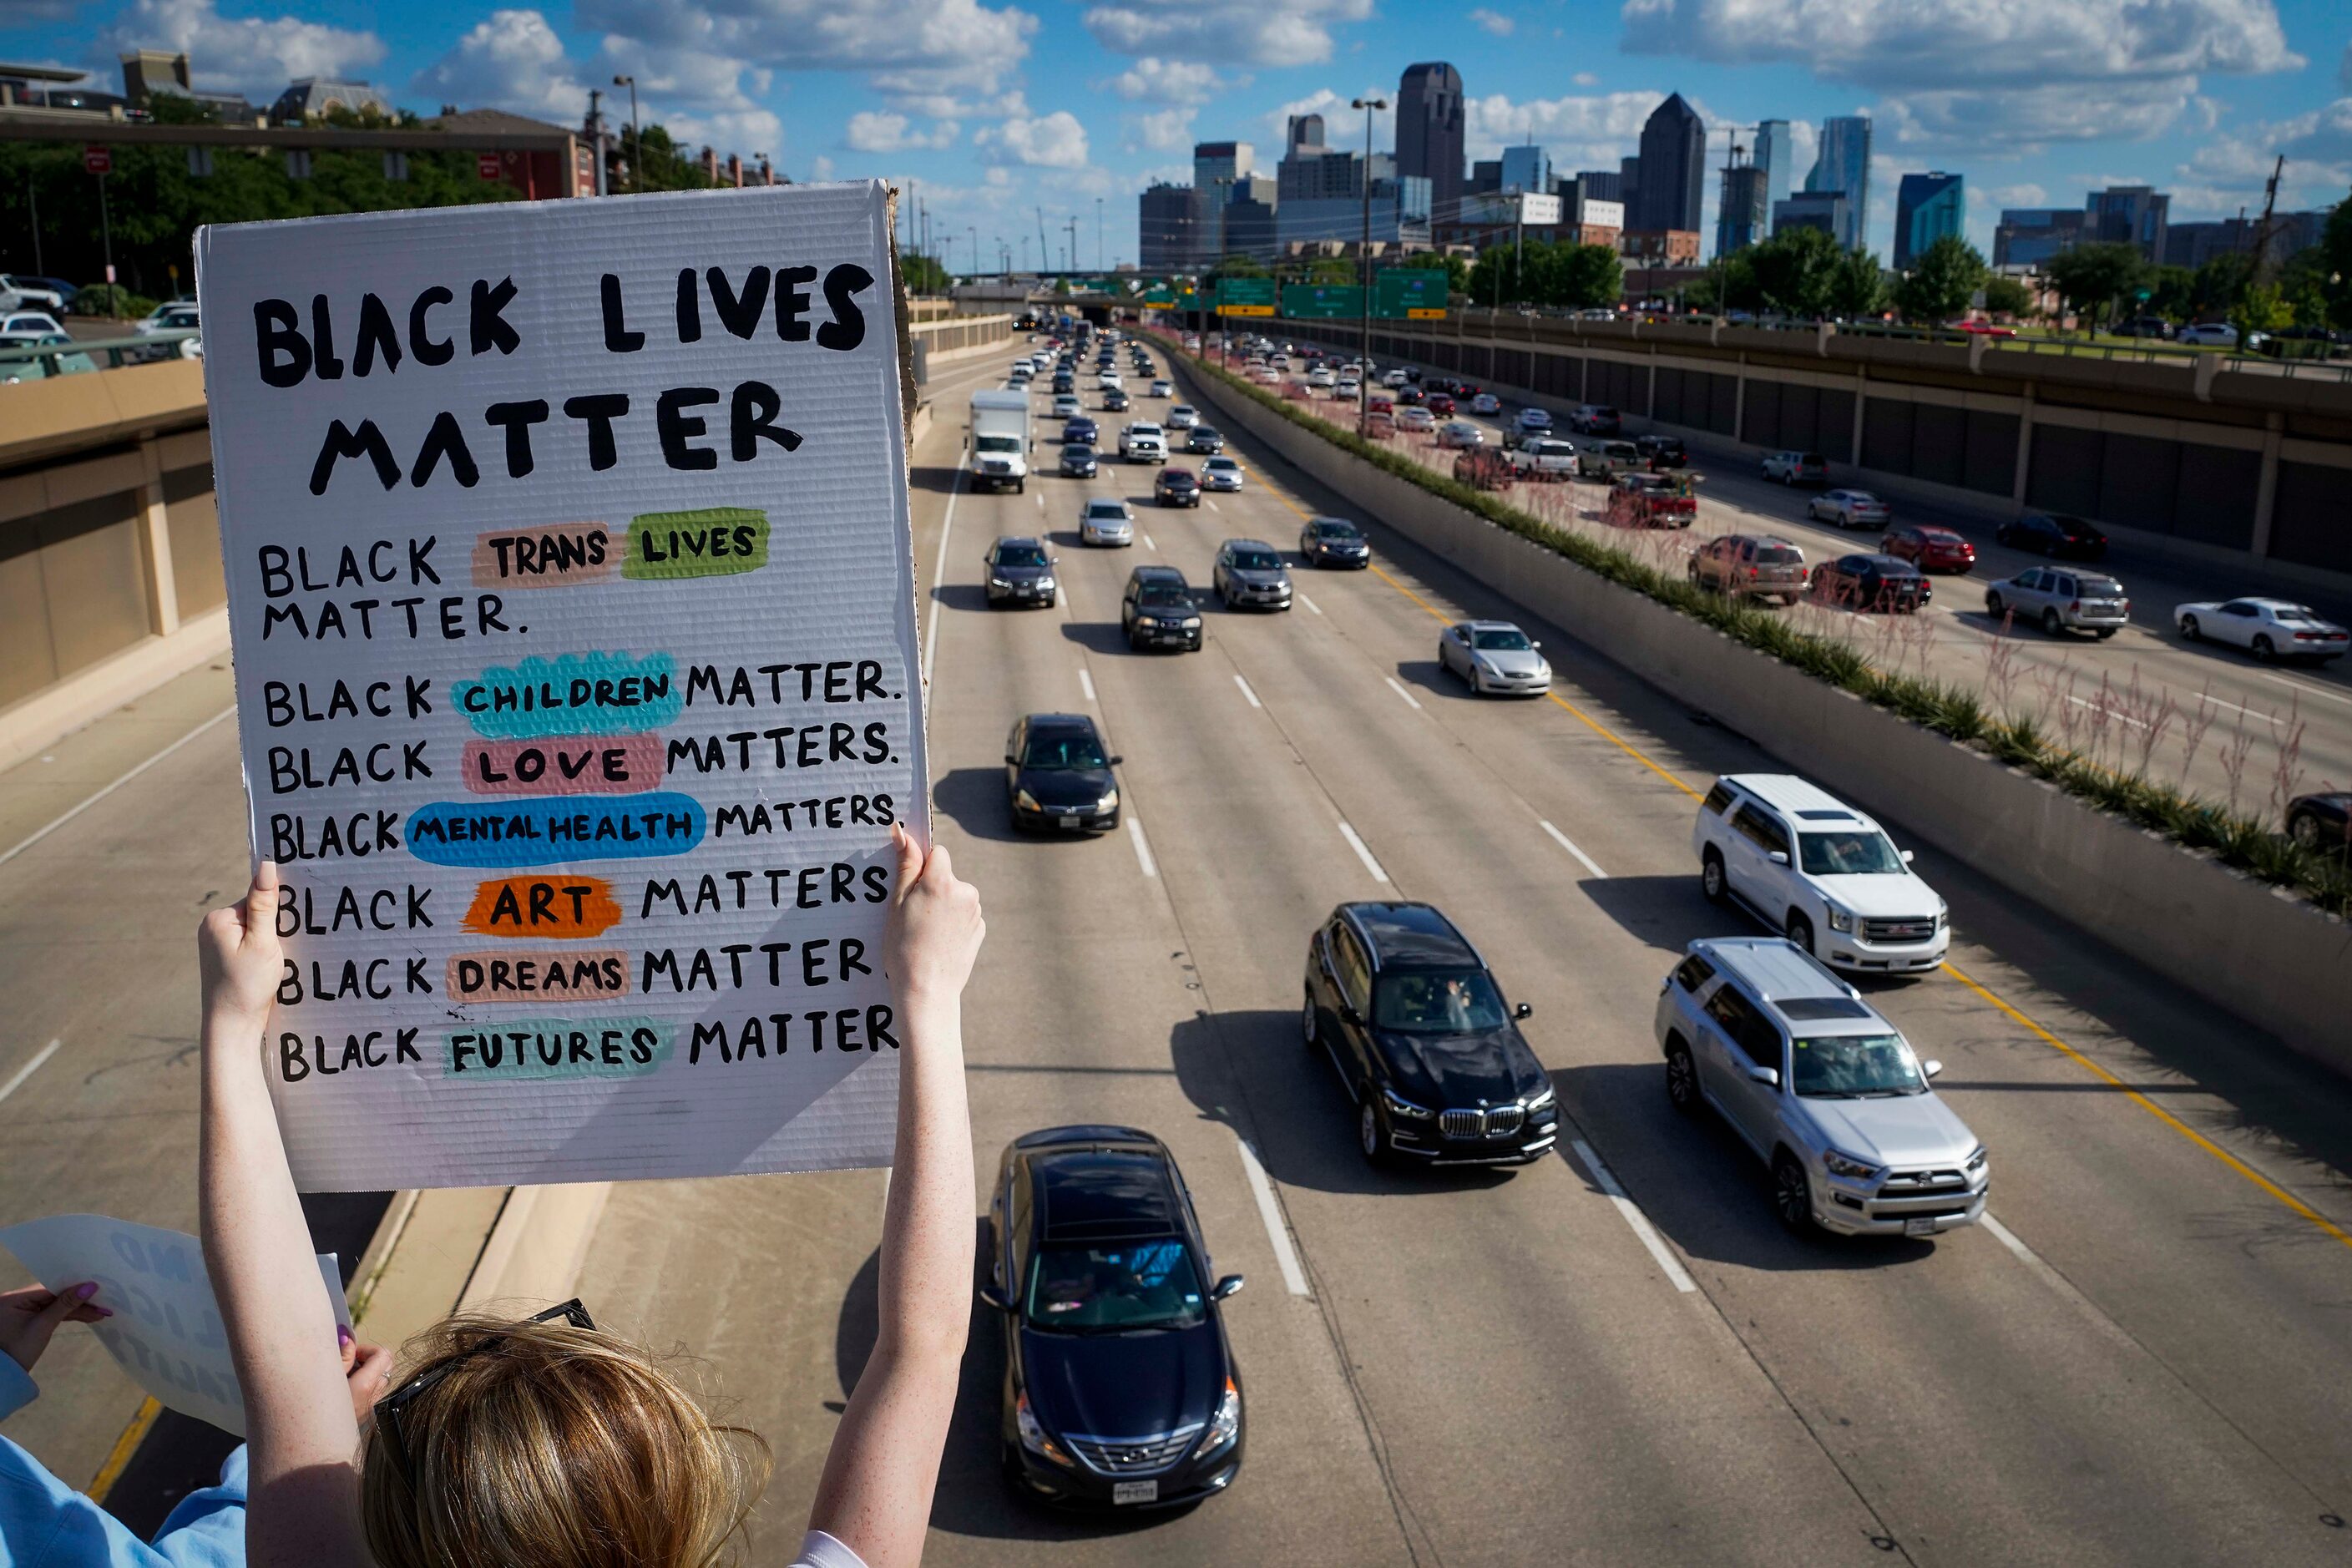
302	1491
876	1495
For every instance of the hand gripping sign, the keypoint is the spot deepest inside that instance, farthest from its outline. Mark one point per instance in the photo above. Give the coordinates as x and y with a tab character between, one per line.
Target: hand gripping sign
572	597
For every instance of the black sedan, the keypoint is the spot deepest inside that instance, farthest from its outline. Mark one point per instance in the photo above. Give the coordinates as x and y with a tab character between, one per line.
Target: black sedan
1116	401
1333	541
1407	1013
1077	462
1058	776
1204	440
2054	534
1019	572
2321	822
1871	583
1177	487
1081	432
1120	1390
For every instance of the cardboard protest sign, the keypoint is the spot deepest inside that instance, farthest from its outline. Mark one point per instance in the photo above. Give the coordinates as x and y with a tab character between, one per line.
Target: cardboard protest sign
166	1329
572	599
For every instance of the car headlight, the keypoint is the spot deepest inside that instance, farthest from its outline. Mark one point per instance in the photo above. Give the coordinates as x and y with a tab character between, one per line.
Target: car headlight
1841	920
1977	1160
1846	1165
999	583
1943	918
1044	582
1226	1424
1400	1106
1024	800
1544	1099
1109	801
1033	1438
1191	622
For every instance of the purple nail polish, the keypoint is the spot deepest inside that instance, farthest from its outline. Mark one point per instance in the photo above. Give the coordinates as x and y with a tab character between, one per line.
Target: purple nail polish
342	1336
84	1291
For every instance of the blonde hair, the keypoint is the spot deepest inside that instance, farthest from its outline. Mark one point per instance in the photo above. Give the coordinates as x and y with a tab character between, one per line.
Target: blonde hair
549	1446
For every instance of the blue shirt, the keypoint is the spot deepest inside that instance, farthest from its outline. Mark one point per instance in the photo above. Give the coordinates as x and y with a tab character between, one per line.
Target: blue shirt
44	1523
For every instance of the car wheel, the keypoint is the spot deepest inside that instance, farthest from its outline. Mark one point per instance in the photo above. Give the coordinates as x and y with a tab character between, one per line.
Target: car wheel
2051	622
2189	630
1711	880
2304	830
1995	606
1792	1194
1307	1019
2264	651
1801	930
1694	573
1682	1076
1370	1136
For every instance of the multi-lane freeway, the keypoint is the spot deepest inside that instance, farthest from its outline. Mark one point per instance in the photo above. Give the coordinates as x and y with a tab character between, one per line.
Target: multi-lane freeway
1614	1355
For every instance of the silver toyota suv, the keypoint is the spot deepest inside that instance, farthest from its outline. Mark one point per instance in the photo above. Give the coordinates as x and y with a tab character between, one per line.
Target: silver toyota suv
1822	1086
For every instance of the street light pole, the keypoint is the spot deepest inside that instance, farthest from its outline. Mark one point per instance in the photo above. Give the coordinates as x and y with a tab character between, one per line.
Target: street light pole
636	136
1364	302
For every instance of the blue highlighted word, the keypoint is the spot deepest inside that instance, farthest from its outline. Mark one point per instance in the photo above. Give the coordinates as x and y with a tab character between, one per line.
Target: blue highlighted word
482	834
573	694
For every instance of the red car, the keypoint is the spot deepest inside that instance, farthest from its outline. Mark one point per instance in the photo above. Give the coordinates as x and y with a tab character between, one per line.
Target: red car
1442	404
1930	549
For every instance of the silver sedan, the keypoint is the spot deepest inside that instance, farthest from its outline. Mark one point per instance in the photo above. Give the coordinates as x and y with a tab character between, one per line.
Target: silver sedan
1493	657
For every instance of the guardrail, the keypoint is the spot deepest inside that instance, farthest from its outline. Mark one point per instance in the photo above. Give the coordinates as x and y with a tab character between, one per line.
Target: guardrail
57	359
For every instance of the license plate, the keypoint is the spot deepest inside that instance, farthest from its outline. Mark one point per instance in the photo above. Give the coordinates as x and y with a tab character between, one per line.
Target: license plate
1922	1226
1134	1491
1069	821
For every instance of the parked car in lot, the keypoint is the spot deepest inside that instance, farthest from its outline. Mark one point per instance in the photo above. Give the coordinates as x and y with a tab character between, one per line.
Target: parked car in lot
1058	777
1105	520
2321	822
1221	474
175	317
1798	468
1819	871
19	292
40	323
1822	1086
2060	599
1157	610
1019	572
1460	435
2054	534
1494	658
1605	460
1871	583
1847	509
1750	565
2270	629
2216	335
1120	1388
1176	487
1251	575
1661	452
1595	419
1929	548
1411	1018
1333	541
1199	438
1077	461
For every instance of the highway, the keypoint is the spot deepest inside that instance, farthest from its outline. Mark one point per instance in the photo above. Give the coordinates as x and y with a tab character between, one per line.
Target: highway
1614	1355
2145	699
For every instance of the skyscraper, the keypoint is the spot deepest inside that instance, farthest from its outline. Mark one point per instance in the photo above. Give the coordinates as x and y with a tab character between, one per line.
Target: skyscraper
1629	185
1673	185
1775	154
1429	127
1746	209
1305	135
2129	214
1927	208
1842	165
1215	161
1525	168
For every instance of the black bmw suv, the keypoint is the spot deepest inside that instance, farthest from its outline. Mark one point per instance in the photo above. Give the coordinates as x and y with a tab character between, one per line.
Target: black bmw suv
1120	1390
1407	1012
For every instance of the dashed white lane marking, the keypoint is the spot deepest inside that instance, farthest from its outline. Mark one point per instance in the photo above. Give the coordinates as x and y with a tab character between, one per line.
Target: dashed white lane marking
1148	544
55	823
1041	500
2306	687
1142	847
1398	686
2055	1280
1308	601
1285	1258
939	579
16	1080
1660	1253
1247	692
1085	683
1363	851
1212	504
1562	840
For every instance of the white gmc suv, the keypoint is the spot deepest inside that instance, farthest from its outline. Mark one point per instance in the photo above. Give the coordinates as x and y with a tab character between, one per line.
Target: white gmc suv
1143	443
1819	870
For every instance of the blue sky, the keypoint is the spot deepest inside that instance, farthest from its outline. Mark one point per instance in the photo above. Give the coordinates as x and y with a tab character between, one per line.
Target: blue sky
1003	110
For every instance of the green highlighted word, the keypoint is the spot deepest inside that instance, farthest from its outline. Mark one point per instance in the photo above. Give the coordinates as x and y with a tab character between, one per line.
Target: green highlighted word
716	541
558	1047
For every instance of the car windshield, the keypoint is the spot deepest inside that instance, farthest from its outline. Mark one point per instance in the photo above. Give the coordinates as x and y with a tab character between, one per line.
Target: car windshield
1120	1289
1176	478
1500	639
999	443
1256	561
1078	453
1222	465
1064	749
1020	555
1328	529
1163	595
1453	1001
1848	854
1843	1066
1108	509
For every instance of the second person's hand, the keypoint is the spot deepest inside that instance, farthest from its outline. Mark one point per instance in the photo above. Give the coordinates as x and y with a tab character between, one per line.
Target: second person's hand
935	927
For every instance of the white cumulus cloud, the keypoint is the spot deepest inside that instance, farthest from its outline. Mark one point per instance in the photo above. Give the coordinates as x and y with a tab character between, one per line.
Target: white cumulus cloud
908	50
1258	32
256	56
510	60
871	132
1154	80
1055	140
1495	21
1587	133
1161	129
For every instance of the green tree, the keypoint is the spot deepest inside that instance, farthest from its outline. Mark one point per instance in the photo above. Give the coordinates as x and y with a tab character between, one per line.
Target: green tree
2261	308
1455	268
922	274
1327	269
2007	297
2092	277
1794	272
2330	265
1590	276
2214	288
1943	280
1857	284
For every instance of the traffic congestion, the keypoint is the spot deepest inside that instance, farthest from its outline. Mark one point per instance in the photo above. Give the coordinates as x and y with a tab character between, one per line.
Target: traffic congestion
1555	1018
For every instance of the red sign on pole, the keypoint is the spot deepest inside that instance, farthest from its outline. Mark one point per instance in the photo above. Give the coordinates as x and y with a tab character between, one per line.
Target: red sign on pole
98	160
487	165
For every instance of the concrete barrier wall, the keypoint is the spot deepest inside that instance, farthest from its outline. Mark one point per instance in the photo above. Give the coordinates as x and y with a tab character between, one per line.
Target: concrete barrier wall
2269	958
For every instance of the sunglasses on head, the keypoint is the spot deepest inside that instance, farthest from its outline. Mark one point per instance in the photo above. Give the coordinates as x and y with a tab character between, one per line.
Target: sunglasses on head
388	1410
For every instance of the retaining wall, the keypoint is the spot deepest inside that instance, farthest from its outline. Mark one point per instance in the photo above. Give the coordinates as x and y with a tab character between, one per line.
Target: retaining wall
2262	954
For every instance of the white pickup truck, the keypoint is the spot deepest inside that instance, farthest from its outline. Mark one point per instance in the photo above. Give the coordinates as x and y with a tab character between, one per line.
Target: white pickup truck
1540	456
1143	443
999	456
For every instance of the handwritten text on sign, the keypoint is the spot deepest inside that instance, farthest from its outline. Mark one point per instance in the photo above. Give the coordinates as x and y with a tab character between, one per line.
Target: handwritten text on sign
572	598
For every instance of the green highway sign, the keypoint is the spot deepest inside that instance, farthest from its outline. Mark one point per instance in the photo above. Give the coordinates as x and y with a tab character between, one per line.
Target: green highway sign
1322	302
1410	293
1158	297
1246	295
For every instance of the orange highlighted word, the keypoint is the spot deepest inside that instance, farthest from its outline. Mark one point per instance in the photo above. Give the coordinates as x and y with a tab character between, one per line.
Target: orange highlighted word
564	908
538	976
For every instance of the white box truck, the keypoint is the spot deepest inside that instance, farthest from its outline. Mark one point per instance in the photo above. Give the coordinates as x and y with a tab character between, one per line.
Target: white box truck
999	455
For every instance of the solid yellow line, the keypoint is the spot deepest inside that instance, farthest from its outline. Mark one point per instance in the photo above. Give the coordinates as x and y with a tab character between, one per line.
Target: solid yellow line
124	1446
2286	1198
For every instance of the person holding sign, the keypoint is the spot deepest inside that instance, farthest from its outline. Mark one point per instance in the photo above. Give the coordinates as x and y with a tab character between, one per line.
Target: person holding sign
551	1444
